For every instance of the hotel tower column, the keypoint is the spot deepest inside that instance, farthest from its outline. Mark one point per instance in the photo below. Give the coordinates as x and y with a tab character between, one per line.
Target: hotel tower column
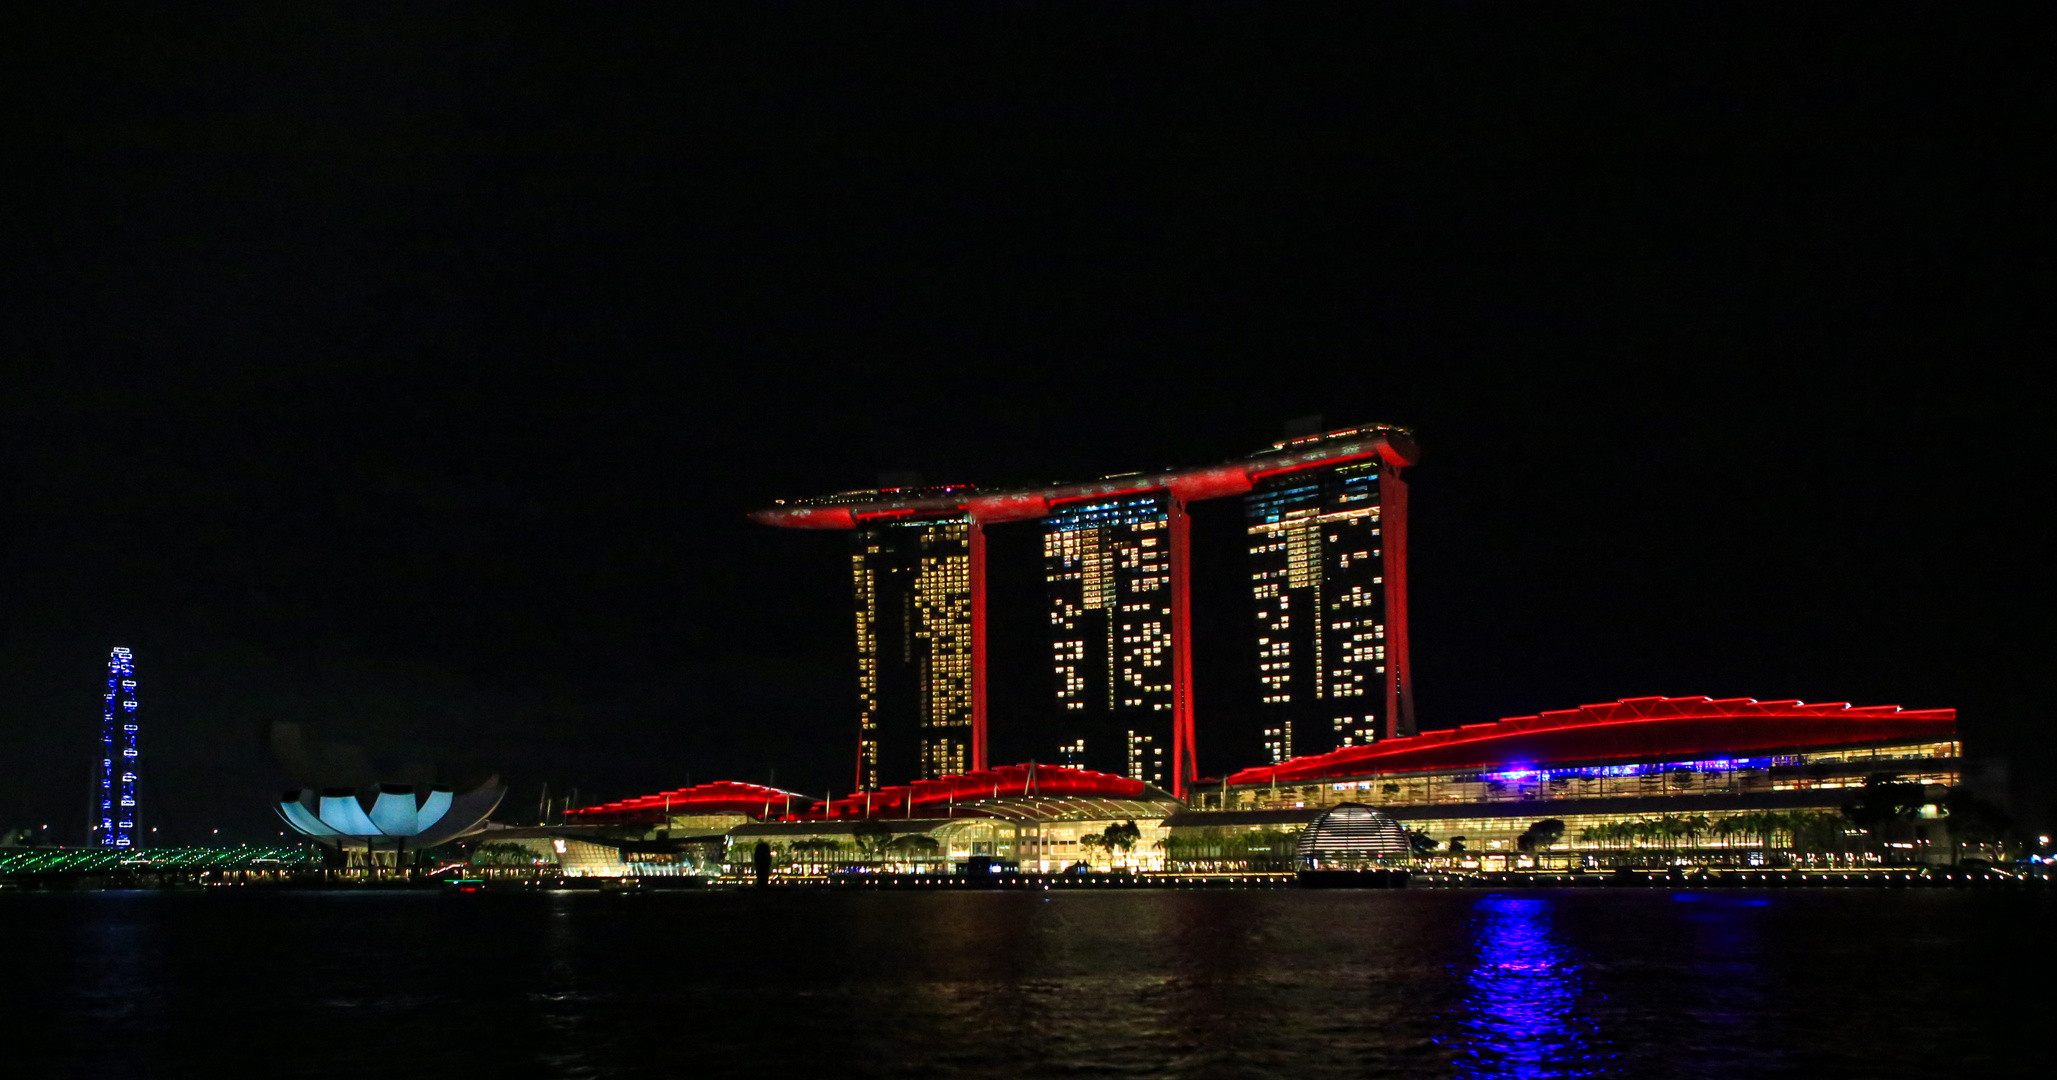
1393	527
977	544
1183	766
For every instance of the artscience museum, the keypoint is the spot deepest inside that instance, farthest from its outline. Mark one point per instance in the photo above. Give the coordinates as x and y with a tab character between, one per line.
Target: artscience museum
398	818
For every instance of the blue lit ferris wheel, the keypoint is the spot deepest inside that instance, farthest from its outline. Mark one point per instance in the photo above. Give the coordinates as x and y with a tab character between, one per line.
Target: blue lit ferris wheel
117	827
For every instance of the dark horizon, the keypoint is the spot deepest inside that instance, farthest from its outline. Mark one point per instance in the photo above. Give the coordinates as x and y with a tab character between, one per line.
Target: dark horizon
409	374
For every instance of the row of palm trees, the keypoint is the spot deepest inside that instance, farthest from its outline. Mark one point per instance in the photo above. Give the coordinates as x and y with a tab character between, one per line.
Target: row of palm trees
912	845
1813	830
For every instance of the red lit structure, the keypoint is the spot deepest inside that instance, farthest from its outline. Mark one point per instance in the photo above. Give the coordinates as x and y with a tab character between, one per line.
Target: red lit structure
1391	448
1183	751
942	796
978	645
718	798
1392	445
1399	667
1633	728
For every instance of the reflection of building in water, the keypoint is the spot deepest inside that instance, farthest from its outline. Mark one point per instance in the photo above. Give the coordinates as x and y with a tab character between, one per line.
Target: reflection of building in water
1521	997
1642	779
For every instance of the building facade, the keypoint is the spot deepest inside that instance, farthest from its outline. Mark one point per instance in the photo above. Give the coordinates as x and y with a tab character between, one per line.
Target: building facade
1118	566
1030	817
912	585
1330	636
1107	570
1655	783
1641	780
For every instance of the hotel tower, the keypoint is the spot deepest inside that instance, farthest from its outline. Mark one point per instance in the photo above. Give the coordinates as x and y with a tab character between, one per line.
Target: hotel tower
1327	577
1327	535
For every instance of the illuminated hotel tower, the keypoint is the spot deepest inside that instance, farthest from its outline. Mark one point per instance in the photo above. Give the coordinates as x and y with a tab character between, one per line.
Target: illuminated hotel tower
912	584
116	822
1328	565
1107	565
1117	563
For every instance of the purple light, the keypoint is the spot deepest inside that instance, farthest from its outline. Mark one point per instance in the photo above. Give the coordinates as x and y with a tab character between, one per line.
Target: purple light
1591	772
1523	992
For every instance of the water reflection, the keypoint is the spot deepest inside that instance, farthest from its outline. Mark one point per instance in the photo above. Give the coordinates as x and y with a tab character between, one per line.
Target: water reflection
1521	997
118	975
1723	1022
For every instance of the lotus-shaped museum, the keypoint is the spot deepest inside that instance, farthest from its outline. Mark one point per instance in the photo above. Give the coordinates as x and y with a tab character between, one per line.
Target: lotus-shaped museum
401	818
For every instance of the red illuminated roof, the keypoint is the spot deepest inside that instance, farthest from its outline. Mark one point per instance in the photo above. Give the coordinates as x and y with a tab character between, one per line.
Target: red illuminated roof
720	797
758	801
924	797
1660	728
1395	446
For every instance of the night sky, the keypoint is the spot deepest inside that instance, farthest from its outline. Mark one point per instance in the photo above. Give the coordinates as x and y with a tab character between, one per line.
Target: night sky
408	373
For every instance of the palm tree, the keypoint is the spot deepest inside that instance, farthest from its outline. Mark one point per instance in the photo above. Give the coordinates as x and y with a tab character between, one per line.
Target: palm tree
913	846
1973	821
1885	800
1121	838
1749	827
872	836
1541	835
1089	843
1766	825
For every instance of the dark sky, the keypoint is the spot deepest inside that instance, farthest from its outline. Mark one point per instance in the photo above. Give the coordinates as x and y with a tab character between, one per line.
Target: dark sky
408	372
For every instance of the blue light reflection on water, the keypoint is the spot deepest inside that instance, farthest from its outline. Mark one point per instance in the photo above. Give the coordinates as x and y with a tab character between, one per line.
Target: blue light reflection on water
1521	998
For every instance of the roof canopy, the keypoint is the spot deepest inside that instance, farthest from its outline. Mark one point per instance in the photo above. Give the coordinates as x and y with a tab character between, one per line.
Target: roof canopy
1634	728
1030	781
980	793
719	797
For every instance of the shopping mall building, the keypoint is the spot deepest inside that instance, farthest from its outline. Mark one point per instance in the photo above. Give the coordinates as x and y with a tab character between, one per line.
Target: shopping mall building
1643	781
1034	818
1648	780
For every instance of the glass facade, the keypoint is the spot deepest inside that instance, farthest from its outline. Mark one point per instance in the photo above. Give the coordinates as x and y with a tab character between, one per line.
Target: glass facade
912	586
1777	809
1107	570
1032	843
1921	762
1317	580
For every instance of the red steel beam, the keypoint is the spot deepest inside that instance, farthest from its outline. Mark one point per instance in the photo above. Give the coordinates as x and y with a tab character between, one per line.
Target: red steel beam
1182	749
1393	446
1393	542
1001	782
1630	728
978	644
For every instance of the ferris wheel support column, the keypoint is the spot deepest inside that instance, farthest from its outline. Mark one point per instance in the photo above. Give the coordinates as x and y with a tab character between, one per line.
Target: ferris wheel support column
115	823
